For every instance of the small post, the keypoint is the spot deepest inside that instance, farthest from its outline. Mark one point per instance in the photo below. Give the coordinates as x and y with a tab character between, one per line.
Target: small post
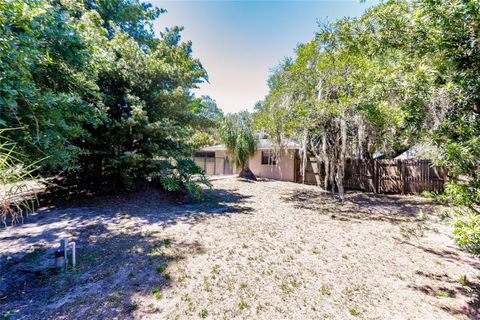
376	176
64	244
74	255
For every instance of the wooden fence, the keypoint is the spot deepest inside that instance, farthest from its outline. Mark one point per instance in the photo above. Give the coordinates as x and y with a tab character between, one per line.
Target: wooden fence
386	176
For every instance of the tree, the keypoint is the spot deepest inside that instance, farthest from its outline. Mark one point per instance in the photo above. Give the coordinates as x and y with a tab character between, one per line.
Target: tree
95	92
405	72
240	139
208	118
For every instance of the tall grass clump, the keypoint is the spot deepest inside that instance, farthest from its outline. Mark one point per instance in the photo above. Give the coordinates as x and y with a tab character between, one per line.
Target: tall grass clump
17	183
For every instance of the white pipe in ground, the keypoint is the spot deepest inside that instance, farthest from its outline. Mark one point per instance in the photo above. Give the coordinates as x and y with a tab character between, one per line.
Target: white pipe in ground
64	243
74	255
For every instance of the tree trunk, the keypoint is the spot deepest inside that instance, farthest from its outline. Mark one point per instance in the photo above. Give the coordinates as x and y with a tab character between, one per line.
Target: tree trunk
304	154
341	161
246	173
326	162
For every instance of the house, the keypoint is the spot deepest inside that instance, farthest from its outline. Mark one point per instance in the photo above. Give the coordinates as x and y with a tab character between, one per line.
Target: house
265	162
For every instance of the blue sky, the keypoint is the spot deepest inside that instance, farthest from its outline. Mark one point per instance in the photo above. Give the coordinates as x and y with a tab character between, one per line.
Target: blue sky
239	42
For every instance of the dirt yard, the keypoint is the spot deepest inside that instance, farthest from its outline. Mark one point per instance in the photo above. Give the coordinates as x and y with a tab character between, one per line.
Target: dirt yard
253	250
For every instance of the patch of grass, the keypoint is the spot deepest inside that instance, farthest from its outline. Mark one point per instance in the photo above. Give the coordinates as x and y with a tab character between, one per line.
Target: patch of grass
156	292
133	307
415	231
243	305
203	313
443	294
167	243
161	268
422	215
206	284
354	312
325	290
216	269
463	280
259	308
167	276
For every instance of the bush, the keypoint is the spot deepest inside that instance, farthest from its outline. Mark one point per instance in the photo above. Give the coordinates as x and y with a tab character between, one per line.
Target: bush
182	176
467	230
17	184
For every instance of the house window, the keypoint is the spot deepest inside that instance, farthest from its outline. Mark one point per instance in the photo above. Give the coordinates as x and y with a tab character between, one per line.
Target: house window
204	154
269	158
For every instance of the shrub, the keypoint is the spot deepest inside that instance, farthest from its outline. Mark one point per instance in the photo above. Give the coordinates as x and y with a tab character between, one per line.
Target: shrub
182	176
467	230
17	184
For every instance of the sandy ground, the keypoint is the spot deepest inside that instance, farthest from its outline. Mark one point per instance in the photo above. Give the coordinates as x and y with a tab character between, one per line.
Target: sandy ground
253	250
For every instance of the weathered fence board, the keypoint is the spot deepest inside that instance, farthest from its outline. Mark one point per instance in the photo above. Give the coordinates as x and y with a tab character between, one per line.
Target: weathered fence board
387	176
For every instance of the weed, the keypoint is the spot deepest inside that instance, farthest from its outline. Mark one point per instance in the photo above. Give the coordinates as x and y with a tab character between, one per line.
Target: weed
161	268
315	250
156	292
133	307
244	246
259	308
345	257
354	312
167	243
399	276
243	285
463	280
203	313
443	294
216	269
325	290
243	305
167	276
422	215
207	284
131	275
415	231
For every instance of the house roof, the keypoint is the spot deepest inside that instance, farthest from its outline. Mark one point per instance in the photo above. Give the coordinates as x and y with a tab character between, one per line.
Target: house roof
262	144
418	152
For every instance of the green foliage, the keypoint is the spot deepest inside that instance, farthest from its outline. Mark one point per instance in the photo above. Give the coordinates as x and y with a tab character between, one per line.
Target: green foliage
467	230
239	137
184	176
208	117
95	92
403	73
17	183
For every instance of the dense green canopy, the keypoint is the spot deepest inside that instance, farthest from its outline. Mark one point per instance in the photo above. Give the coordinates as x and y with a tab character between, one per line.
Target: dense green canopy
404	73
94	91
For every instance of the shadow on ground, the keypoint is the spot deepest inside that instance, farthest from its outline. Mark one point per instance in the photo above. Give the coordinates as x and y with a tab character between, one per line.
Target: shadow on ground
444	287
358	206
146	207
115	265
